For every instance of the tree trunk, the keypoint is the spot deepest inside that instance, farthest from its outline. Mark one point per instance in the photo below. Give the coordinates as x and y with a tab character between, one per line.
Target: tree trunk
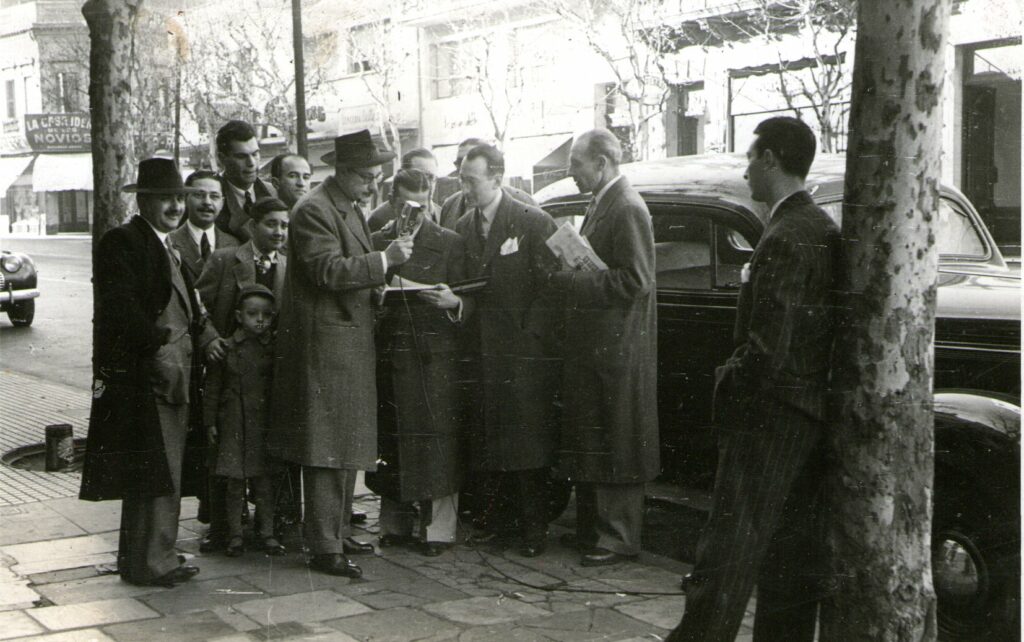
883	449
111	34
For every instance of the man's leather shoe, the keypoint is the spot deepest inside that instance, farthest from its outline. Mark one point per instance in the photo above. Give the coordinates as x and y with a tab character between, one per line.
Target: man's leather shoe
532	549
353	547
211	543
357	518
393	539
603	557
433	549
335	564
173	578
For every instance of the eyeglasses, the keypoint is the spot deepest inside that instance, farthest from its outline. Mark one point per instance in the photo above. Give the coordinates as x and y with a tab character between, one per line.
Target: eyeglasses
369	177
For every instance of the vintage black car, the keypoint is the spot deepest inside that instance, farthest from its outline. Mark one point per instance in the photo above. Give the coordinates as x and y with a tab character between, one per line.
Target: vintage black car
18	287
705	226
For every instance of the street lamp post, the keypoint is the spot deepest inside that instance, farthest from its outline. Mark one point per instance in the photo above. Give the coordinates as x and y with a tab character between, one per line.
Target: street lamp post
300	80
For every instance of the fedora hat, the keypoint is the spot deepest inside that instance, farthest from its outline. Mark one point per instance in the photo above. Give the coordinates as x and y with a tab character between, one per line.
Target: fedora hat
356	150
159	176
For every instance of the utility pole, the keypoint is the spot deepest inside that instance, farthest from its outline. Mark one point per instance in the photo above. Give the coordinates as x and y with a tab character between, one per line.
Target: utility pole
300	80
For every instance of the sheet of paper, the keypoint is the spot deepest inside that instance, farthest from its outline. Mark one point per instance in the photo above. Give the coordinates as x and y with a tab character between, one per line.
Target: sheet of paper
574	250
399	284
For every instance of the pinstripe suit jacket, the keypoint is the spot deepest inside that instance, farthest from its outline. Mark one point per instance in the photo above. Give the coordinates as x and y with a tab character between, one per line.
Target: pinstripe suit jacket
784	322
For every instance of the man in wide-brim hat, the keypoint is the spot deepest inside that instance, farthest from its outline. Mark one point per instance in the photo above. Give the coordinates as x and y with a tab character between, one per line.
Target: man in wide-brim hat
325	400
146	327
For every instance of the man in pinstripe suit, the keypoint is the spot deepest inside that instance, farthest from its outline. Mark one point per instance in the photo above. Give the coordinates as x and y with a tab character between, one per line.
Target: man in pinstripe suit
770	409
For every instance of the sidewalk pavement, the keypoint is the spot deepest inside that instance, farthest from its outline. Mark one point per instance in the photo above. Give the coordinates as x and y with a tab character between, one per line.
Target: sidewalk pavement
57	579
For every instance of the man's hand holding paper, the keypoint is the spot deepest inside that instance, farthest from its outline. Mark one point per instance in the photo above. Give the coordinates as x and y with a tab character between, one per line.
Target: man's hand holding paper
574	250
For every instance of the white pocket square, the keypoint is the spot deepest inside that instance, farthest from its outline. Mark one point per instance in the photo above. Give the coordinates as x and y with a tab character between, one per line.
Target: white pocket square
510	246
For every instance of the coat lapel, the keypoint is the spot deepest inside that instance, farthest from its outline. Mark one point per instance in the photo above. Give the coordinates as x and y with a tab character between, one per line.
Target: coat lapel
279	274
245	268
349	214
500	230
604	206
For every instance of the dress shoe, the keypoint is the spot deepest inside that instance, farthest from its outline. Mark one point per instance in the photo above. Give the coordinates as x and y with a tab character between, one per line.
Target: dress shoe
211	543
273	547
235	547
393	539
432	549
603	557
169	580
532	548
353	547
335	564
357	518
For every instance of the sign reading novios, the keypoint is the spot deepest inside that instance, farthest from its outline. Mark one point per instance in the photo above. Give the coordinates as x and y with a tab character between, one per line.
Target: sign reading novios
59	132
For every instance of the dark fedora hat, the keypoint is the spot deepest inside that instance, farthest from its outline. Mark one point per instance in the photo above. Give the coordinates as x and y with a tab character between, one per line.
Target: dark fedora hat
159	176
356	150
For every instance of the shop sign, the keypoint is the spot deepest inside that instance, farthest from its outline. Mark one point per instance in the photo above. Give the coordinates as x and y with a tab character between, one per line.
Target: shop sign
59	132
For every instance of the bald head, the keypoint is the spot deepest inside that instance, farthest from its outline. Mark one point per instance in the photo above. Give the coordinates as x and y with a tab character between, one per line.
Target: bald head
594	160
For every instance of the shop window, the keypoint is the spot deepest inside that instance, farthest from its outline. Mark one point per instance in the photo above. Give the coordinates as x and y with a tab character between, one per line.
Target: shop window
11	100
451	69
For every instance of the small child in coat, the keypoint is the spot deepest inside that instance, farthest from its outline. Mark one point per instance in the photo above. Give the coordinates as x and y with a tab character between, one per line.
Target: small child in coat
236	413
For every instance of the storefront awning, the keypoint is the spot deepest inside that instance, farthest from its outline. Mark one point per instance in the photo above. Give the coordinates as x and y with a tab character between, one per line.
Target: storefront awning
11	168
553	167
62	172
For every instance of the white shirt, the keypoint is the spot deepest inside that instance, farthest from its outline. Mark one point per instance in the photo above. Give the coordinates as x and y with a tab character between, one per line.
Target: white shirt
600	194
197	235
240	193
160	235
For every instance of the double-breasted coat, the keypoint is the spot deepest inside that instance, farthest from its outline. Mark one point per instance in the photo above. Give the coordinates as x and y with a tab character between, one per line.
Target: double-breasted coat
125	454
324	407
610	426
511	414
237	402
191	256
419	400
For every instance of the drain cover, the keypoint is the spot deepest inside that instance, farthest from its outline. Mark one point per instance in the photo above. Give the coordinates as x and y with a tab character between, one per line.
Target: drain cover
33	457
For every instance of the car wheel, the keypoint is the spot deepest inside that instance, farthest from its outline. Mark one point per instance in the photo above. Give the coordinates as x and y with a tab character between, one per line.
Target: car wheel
975	569
22	313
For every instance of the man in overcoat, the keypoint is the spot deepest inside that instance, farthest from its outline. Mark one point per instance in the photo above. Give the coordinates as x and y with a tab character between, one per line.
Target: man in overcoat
770	407
198	238
511	419
147	321
324	409
419	404
238	153
609	445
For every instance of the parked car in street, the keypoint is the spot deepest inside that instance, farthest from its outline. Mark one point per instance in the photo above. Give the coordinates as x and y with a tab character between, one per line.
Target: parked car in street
18	291
705	229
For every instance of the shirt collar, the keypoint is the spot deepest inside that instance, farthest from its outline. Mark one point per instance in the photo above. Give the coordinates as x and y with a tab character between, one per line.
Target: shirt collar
197	234
600	195
257	255
781	201
160	235
240	193
490	210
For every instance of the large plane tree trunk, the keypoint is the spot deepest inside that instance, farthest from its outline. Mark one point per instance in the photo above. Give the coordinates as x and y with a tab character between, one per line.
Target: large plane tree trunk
111	35
883	441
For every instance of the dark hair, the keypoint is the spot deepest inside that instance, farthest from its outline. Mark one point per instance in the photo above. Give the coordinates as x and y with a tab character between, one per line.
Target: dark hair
492	155
277	163
411	180
601	142
200	174
234	130
419	152
790	140
266	205
470	142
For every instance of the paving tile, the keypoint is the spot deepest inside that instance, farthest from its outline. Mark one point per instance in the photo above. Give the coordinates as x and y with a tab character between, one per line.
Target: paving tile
294	578
16	595
394	625
92	588
197	626
234	619
664	612
386	599
82	635
641	578
71	574
294	631
99	613
589	624
71	552
14	624
91	517
33	523
430	590
317	606
213	565
500	633
202	595
484	610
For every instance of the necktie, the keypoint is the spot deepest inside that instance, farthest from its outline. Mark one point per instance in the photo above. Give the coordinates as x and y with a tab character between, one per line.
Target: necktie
204	246
481	224
263	264
175	259
248	203
591	206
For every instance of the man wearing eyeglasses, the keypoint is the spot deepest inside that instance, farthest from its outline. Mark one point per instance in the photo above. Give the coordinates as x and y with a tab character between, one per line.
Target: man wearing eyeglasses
419	159
324	404
199	237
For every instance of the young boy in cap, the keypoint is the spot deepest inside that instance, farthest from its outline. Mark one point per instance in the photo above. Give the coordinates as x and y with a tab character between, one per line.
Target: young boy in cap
235	411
